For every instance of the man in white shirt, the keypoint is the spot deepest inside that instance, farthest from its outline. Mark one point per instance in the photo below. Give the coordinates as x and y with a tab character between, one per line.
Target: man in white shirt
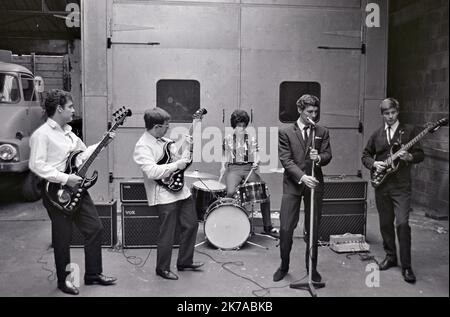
51	145
173	207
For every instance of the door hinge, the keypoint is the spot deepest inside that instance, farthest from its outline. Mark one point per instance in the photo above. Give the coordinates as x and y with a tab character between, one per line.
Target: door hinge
361	127
111	177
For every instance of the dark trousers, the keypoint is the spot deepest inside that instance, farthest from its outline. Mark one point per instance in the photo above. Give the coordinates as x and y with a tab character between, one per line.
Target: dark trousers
289	216
87	221
393	206
237	173
179	213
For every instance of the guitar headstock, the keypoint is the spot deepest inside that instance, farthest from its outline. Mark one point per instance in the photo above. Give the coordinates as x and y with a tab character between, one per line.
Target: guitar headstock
433	127
198	115
120	115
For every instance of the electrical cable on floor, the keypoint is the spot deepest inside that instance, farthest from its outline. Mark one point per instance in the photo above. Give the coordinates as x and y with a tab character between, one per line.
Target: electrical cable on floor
132	259
265	290
51	276
366	257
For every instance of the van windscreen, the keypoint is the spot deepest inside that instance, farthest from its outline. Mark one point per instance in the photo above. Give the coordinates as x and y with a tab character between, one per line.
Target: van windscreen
9	89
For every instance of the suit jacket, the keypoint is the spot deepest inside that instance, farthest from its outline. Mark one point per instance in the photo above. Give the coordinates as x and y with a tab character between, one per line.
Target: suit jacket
294	156
378	149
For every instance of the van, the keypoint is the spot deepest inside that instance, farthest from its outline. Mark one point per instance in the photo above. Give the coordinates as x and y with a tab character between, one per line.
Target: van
21	113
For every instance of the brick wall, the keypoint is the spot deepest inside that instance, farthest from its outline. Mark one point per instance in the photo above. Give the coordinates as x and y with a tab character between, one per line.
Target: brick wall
418	77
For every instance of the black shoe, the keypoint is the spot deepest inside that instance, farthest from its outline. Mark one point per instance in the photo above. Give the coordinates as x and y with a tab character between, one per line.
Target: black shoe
408	275
279	274
68	288
168	275
387	263
316	277
271	231
194	266
99	279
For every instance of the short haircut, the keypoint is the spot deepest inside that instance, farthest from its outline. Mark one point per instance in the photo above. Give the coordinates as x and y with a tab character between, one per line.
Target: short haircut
239	116
55	98
154	117
307	101
389	103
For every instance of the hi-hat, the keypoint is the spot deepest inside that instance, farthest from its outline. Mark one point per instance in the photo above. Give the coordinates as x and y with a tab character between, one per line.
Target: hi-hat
277	170
200	175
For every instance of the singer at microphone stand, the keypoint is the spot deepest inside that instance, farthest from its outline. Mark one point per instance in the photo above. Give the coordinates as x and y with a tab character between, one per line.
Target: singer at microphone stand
311	285
304	148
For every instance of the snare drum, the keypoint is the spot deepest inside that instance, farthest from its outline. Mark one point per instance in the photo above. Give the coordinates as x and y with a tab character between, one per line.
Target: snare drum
204	193
227	225
253	193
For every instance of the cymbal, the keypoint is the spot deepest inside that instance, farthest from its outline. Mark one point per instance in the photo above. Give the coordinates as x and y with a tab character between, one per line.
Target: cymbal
277	170
199	175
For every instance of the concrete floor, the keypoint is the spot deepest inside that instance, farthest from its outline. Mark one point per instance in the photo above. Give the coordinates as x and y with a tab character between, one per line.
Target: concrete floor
26	264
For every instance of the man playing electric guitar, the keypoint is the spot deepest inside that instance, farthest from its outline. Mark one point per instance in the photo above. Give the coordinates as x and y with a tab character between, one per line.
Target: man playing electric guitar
51	144
393	196
172	206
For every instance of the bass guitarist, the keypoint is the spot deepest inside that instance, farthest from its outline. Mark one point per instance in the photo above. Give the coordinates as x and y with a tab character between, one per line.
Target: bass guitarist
393	196
51	144
173	207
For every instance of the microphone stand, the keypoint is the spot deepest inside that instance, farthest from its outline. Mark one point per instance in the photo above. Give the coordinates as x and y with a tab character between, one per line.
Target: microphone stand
311	285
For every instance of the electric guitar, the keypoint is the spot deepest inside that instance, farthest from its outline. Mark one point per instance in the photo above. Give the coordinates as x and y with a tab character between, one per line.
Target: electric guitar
393	161
175	181
66	198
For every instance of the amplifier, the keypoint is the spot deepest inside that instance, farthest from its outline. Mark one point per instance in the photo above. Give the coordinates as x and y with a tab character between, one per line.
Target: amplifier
107	213
140	226
346	188
340	217
133	192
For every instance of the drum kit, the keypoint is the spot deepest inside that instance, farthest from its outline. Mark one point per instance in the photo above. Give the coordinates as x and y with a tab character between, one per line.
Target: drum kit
227	223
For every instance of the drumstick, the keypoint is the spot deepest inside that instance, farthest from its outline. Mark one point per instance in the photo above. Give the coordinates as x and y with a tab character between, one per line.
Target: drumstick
248	176
214	194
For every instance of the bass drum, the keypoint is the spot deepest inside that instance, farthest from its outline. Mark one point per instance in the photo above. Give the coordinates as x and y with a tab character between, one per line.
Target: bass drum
227	226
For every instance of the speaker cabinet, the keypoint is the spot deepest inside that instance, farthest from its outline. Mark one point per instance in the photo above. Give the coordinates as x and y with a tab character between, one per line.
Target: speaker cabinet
340	217
133	192
107	213
348	188
140	226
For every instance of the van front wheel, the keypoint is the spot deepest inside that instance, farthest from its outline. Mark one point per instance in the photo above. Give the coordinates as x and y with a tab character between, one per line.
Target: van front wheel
31	188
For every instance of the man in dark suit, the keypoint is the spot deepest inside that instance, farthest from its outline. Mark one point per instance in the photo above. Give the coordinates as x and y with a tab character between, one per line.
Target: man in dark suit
297	157
393	196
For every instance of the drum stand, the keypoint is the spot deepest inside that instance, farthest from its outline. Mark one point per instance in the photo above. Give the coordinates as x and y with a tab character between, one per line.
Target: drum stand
310	286
252	231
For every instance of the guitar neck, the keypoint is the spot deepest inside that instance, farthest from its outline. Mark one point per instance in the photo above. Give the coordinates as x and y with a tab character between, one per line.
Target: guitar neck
191	133
409	145
86	164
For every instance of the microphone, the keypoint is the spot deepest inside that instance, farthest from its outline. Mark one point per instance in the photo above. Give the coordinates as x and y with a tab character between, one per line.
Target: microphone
311	121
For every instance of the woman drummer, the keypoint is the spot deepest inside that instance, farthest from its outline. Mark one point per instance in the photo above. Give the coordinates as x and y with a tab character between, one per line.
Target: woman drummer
240	158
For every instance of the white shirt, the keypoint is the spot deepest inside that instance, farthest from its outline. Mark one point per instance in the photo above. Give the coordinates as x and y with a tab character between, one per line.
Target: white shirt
147	152
394	128
301	125
50	148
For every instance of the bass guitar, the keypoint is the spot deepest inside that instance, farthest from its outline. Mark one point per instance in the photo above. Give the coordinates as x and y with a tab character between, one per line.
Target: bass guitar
175	181
66	198
393	161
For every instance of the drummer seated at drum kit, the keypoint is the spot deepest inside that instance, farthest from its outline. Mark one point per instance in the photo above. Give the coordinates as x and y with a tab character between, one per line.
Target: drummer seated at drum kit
238	148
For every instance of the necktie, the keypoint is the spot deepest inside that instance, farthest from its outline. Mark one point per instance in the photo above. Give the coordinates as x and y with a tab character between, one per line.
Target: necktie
305	133
389	135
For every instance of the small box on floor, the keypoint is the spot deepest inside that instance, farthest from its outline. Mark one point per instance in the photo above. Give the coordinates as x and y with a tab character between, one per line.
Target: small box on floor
349	243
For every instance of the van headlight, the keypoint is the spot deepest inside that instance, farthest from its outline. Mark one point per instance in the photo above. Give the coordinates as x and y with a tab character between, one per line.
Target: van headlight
8	152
